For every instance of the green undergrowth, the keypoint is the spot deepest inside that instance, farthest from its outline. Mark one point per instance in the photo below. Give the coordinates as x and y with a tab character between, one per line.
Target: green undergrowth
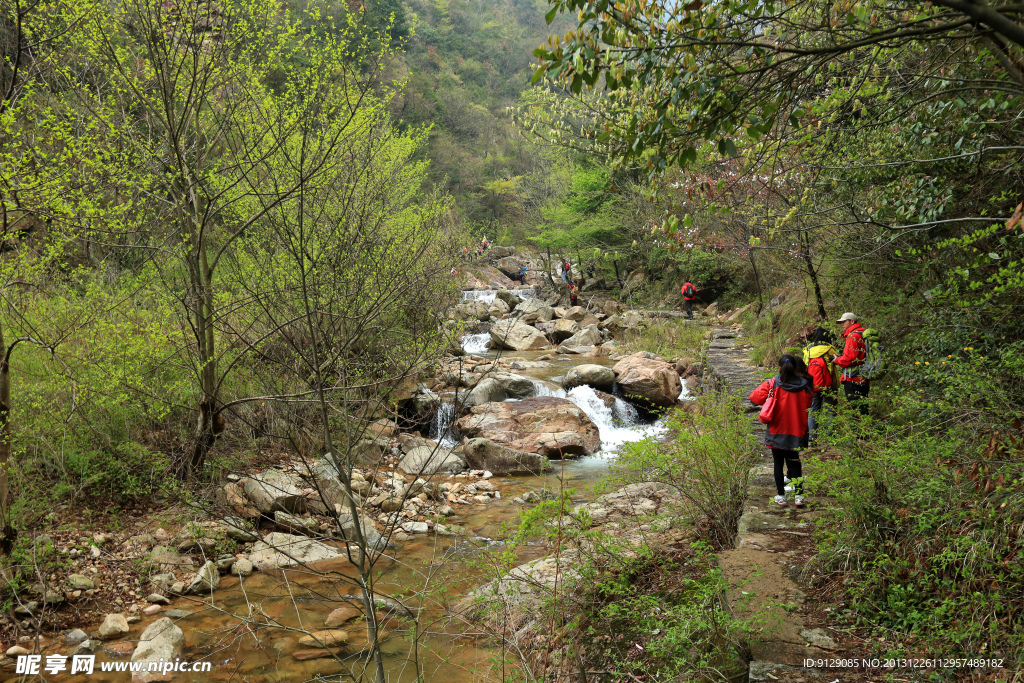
668	338
925	529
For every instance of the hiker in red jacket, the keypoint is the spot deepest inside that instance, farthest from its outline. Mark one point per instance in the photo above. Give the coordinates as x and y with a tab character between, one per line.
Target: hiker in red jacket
787	431
689	293
855	351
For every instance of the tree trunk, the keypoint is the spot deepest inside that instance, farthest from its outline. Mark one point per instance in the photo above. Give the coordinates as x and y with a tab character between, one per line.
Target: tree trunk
618	278
210	422
806	253
5	426
757	284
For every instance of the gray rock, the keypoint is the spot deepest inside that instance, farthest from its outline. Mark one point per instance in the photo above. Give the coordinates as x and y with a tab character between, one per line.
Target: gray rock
177	613
238	530
87	647
157	599
275	490
515	386
196	545
415	527
224	563
517	336
162	582
533	310
53	597
242	567
206	581
427	461
295	525
590	374
80	582
162	640
168	560
485	454
27	610
487	390
113	626
819	638
563	329
76	637
287	550
588	336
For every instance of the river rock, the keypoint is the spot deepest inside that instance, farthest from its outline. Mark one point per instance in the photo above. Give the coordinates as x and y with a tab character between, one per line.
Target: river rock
113	626
275	490
237	530
517	336
407	442
167	560
342	616
509	297
498	308
80	582
533	310
515	386
75	637
324	638
653	380
425	461
545	425
287	550
564	328
239	502
588	336
206	581
162	640
242	567
576	313
294	524
597	376
486	391
484	454
415	527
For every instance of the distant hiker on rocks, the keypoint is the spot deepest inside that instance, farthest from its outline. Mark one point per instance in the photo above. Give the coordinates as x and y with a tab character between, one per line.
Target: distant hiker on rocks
689	293
520	276
572	295
566	272
854	353
819	356
790	392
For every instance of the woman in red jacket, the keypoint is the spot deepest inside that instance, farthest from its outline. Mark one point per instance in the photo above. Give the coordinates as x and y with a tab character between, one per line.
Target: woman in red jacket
787	432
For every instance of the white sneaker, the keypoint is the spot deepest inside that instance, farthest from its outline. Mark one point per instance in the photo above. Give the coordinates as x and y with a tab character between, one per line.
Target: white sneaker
789	489
799	502
781	501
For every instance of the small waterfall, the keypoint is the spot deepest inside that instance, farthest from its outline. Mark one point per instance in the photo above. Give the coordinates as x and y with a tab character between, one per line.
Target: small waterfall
476	343
618	424
442	428
487	295
484	295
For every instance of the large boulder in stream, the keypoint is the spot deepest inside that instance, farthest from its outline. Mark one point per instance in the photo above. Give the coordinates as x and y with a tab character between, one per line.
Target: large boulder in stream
549	426
653	380
484	454
487	390
286	550
591	374
564	328
534	310
515	386
588	336
509	297
161	641
424	461
517	336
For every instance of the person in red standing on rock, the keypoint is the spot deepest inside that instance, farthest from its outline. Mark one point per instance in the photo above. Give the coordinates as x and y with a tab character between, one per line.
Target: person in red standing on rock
787	430
855	351
573	301
689	292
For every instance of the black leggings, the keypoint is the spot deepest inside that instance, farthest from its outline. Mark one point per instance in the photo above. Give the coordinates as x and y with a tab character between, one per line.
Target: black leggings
794	467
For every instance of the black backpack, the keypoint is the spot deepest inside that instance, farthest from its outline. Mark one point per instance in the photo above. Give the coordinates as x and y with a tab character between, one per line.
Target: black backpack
688	291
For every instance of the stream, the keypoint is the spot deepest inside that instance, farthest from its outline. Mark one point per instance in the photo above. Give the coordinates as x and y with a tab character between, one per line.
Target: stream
233	634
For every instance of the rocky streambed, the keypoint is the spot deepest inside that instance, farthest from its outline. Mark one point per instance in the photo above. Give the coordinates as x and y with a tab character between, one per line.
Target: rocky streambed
265	591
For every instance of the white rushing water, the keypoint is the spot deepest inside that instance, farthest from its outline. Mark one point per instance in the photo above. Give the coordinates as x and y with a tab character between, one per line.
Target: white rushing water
476	343
617	425
487	295
442	428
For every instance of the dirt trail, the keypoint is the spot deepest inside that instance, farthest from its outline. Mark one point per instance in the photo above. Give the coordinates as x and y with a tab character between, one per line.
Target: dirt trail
770	549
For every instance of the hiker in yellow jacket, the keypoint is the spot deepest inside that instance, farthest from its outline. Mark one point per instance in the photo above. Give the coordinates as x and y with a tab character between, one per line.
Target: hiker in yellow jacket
819	356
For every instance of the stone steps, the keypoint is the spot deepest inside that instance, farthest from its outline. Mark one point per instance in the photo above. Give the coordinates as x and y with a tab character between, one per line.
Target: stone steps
757	571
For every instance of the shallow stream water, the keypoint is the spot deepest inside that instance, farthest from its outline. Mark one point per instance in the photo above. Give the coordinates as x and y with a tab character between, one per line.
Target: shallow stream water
250	629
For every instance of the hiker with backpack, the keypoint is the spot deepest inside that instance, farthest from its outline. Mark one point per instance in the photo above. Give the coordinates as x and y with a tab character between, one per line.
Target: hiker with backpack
566	272
819	356
861	361
572	295
689	293
785	399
